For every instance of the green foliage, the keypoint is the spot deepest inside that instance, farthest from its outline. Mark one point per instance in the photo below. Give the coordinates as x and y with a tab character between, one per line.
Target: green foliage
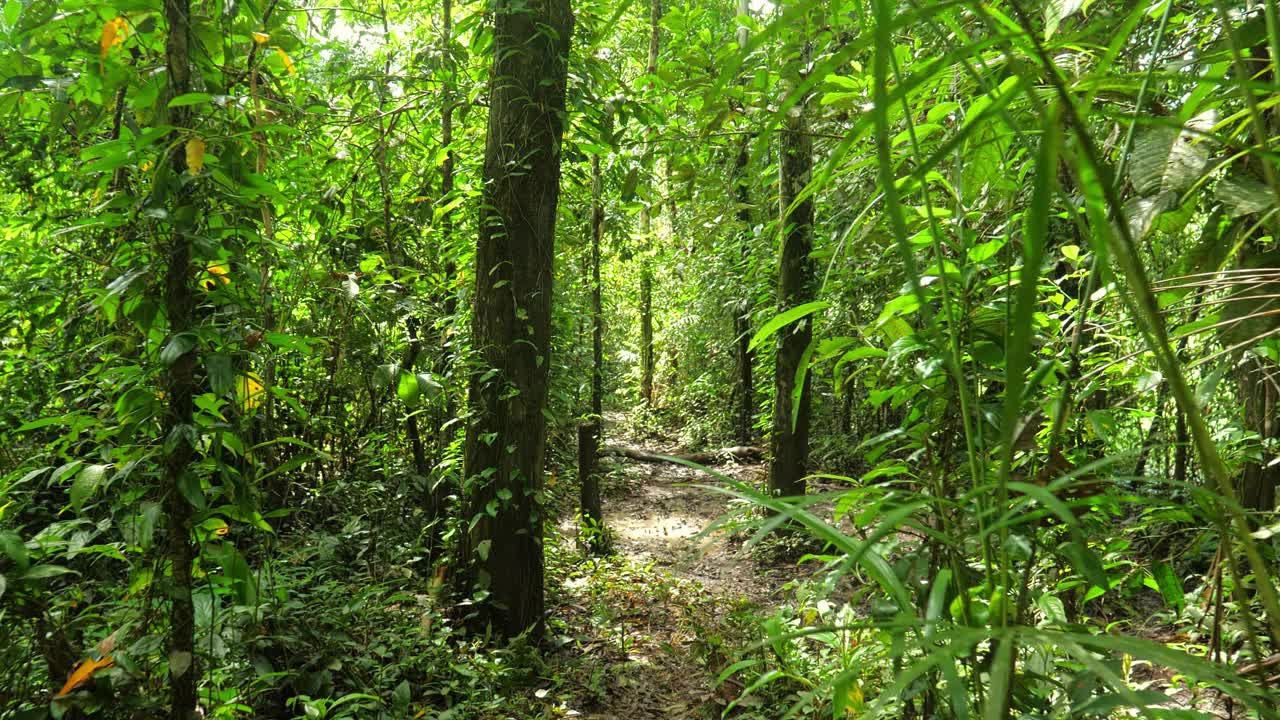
1043	369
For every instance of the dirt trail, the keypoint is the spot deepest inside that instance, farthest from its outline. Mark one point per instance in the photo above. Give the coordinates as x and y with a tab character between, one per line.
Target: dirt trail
662	517
675	604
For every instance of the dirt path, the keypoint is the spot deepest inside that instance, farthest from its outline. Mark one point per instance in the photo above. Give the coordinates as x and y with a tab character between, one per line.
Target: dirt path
672	607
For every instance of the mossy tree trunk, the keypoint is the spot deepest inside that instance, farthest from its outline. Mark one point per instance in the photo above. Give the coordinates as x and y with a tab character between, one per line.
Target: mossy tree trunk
500	557
180	384
790	438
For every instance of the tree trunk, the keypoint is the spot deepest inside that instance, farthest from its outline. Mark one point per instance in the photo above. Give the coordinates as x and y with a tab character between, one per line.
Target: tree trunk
597	302
790	440
180	381
743	356
439	490
500	559
1258	398
646	227
589	486
589	433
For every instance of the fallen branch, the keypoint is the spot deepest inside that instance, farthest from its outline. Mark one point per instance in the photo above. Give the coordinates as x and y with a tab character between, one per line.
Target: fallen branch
751	454
1260	665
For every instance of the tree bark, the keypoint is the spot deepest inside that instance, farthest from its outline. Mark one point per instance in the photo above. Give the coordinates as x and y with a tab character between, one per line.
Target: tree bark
790	440
589	433
646	227
180	380
1258	398
589	486
743	356
500	559
597	301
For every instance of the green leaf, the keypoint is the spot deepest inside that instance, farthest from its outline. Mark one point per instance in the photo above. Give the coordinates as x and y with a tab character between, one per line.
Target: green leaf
177	346
186	99
408	388
786	318
237	570
14	549
86	484
428	386
1242	195
1055	11
12	11
1167	582
386	374
44	572
222	379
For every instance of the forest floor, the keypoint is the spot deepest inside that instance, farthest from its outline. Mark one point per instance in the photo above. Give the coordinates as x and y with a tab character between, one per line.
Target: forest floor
673	606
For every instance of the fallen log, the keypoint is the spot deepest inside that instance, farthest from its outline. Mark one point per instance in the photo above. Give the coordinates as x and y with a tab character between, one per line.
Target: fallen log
710	457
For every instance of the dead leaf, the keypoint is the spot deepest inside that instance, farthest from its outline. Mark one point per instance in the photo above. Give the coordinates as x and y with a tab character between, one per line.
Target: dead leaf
82	672
108	644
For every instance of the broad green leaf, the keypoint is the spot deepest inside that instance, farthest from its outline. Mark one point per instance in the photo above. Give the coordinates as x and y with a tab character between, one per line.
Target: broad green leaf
1242	195
1170	159
44	572
186	99
86	484
14	549
178	345
785	319
1168	584
407	388
1055	11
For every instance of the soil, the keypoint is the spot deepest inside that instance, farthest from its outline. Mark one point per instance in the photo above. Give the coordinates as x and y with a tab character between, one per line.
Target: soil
657	622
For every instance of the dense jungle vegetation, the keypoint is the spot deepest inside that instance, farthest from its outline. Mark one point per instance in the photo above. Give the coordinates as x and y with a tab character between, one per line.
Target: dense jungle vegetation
662	359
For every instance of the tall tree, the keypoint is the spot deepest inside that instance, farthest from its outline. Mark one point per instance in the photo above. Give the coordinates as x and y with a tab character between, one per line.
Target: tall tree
646	223
589	432
500	556
790	439
180	377
743	356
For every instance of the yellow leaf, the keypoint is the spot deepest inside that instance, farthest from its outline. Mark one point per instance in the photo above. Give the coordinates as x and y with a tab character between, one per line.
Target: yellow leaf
284	58
82	672
249	389
113	33
856	699
195	156
261	38
217	275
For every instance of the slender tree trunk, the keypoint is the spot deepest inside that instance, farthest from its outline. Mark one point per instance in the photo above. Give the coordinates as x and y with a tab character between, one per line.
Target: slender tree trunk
394	251
646	227
500	560
743	356
1181	449
438	492
180	381
790	440
589	433
597	301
